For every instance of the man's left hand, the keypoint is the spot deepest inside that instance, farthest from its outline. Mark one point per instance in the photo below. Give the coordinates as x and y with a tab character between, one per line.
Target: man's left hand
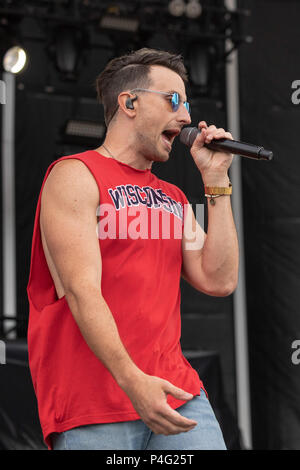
211	164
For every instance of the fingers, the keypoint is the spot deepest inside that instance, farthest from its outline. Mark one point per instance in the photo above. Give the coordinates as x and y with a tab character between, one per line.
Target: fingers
149	398
177	392
212	132
176	419
168	421
165	427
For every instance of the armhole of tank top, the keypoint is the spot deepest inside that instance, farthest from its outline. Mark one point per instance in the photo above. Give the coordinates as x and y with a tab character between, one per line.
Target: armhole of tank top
185	202
45	296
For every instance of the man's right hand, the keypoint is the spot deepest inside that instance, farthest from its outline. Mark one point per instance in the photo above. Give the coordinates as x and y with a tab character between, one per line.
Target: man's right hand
148	394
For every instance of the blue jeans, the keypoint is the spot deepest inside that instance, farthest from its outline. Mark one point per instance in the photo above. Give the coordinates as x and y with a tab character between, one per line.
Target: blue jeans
136	435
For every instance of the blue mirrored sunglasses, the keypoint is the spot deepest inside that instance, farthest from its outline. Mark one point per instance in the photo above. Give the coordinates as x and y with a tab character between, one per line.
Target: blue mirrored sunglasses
175	101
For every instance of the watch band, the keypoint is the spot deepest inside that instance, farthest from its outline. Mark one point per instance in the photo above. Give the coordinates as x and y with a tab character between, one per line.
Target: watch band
217	190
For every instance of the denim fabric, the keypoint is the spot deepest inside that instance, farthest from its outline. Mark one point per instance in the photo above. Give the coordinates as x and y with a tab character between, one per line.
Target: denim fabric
135	435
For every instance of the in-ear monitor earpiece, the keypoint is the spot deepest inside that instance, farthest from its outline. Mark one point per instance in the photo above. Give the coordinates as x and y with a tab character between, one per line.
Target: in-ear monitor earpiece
129	102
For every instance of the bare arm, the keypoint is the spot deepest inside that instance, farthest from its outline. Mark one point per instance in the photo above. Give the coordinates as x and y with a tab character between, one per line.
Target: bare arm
68	218
210	262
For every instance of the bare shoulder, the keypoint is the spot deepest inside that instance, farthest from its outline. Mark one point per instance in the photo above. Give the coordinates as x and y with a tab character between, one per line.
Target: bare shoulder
71	179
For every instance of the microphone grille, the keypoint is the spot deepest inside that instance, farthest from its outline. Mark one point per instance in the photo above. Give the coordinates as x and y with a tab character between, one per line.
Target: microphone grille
188	135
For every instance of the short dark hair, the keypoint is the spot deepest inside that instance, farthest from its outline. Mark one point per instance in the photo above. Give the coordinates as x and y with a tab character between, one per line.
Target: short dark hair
132	71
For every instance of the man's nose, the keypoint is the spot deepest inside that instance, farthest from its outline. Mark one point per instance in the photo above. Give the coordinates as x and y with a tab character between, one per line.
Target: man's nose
183	115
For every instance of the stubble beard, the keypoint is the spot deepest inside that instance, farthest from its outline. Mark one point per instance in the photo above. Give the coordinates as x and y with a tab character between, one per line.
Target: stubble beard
149	148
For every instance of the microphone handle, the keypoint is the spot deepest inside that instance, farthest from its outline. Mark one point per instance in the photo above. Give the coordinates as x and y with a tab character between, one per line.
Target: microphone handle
240	148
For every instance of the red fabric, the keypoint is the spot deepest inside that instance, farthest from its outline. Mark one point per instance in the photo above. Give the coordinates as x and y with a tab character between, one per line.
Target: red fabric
141	285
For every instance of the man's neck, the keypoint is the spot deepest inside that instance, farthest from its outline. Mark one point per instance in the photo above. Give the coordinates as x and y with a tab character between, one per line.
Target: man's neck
123	152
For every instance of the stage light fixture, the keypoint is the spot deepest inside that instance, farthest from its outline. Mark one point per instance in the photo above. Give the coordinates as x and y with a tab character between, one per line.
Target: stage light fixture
66	50
14	59
193	9
83	131
177	7
119	23
199	66
66	53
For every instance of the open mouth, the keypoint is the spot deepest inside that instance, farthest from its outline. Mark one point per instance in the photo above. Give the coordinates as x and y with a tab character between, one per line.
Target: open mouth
169	136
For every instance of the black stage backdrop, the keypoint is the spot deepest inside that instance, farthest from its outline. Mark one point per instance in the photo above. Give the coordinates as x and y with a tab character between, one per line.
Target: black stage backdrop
271	194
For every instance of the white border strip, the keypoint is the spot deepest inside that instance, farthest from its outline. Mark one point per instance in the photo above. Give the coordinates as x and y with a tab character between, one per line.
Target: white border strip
239	297
8	204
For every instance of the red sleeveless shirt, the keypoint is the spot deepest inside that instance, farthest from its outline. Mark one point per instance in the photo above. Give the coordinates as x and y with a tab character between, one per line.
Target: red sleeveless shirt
140	226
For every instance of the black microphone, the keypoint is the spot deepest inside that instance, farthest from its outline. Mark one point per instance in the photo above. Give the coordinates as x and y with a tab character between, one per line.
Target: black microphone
189	134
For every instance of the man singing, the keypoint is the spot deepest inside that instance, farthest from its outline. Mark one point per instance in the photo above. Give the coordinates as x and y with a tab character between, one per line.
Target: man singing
110	244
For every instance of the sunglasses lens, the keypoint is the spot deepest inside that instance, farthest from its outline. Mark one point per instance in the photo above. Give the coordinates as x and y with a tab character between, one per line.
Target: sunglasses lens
175	101
187	105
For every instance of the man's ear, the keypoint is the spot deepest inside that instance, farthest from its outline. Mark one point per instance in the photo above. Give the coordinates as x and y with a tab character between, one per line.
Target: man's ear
125	101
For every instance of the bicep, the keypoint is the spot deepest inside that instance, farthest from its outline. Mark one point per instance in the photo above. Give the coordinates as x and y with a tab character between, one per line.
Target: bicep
68	219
